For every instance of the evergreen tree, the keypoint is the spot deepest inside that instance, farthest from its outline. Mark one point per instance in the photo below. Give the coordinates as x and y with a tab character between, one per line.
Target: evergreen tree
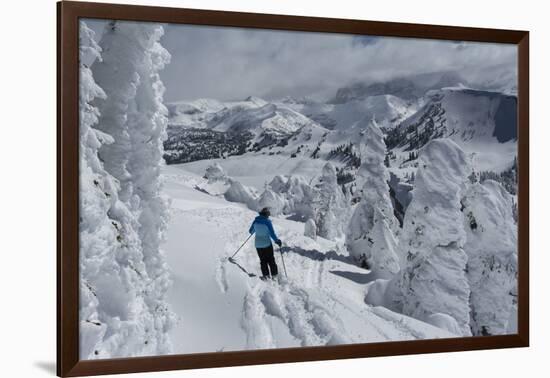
310	229
98	191
433	281
331	211
134	116
491	247
370	236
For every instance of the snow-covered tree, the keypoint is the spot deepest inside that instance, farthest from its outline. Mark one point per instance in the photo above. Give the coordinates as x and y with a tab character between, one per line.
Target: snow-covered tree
237	192
279	184
491	247
274	201
310	229
133	290
433	278
370	236
300	197
215	172
98	232
331	209
290	196
147	117
217	181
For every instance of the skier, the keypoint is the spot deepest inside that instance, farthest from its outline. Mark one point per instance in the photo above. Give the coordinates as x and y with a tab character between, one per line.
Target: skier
263	228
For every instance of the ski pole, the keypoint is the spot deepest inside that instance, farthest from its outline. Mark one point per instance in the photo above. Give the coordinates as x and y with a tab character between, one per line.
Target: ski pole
283	259
242	245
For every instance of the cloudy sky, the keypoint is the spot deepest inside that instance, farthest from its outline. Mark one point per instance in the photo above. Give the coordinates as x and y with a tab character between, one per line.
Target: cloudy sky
233	63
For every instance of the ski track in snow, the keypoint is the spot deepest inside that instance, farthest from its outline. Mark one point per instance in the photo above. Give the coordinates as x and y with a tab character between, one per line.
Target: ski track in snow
314	307
307	321
221	276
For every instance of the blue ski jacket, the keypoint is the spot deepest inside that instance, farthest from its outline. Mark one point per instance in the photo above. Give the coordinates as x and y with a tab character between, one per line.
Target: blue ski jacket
263	228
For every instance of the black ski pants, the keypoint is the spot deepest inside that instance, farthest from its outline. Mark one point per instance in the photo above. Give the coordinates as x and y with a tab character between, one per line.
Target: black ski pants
267	261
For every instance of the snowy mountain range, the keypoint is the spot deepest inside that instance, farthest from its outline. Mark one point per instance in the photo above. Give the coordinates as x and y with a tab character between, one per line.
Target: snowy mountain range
482	122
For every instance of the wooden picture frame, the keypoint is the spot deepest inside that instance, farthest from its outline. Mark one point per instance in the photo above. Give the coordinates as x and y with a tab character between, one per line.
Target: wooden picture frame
69	13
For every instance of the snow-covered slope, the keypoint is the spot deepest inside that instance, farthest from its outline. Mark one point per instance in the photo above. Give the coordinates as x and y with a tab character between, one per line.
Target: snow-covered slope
257	169
482	123
269	117
206	129
321	304
468	114
252	114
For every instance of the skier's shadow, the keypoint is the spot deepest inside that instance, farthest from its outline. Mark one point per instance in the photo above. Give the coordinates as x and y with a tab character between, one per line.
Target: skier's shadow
317	255
360	278
233	261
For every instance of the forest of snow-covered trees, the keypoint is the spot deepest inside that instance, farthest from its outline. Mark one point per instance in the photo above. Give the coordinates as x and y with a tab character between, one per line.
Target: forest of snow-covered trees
390	233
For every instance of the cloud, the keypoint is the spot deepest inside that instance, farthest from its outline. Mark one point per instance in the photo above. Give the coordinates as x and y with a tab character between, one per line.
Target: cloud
365	40
233	63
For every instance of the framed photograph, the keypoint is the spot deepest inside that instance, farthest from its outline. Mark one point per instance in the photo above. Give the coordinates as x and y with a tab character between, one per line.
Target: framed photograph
238	188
